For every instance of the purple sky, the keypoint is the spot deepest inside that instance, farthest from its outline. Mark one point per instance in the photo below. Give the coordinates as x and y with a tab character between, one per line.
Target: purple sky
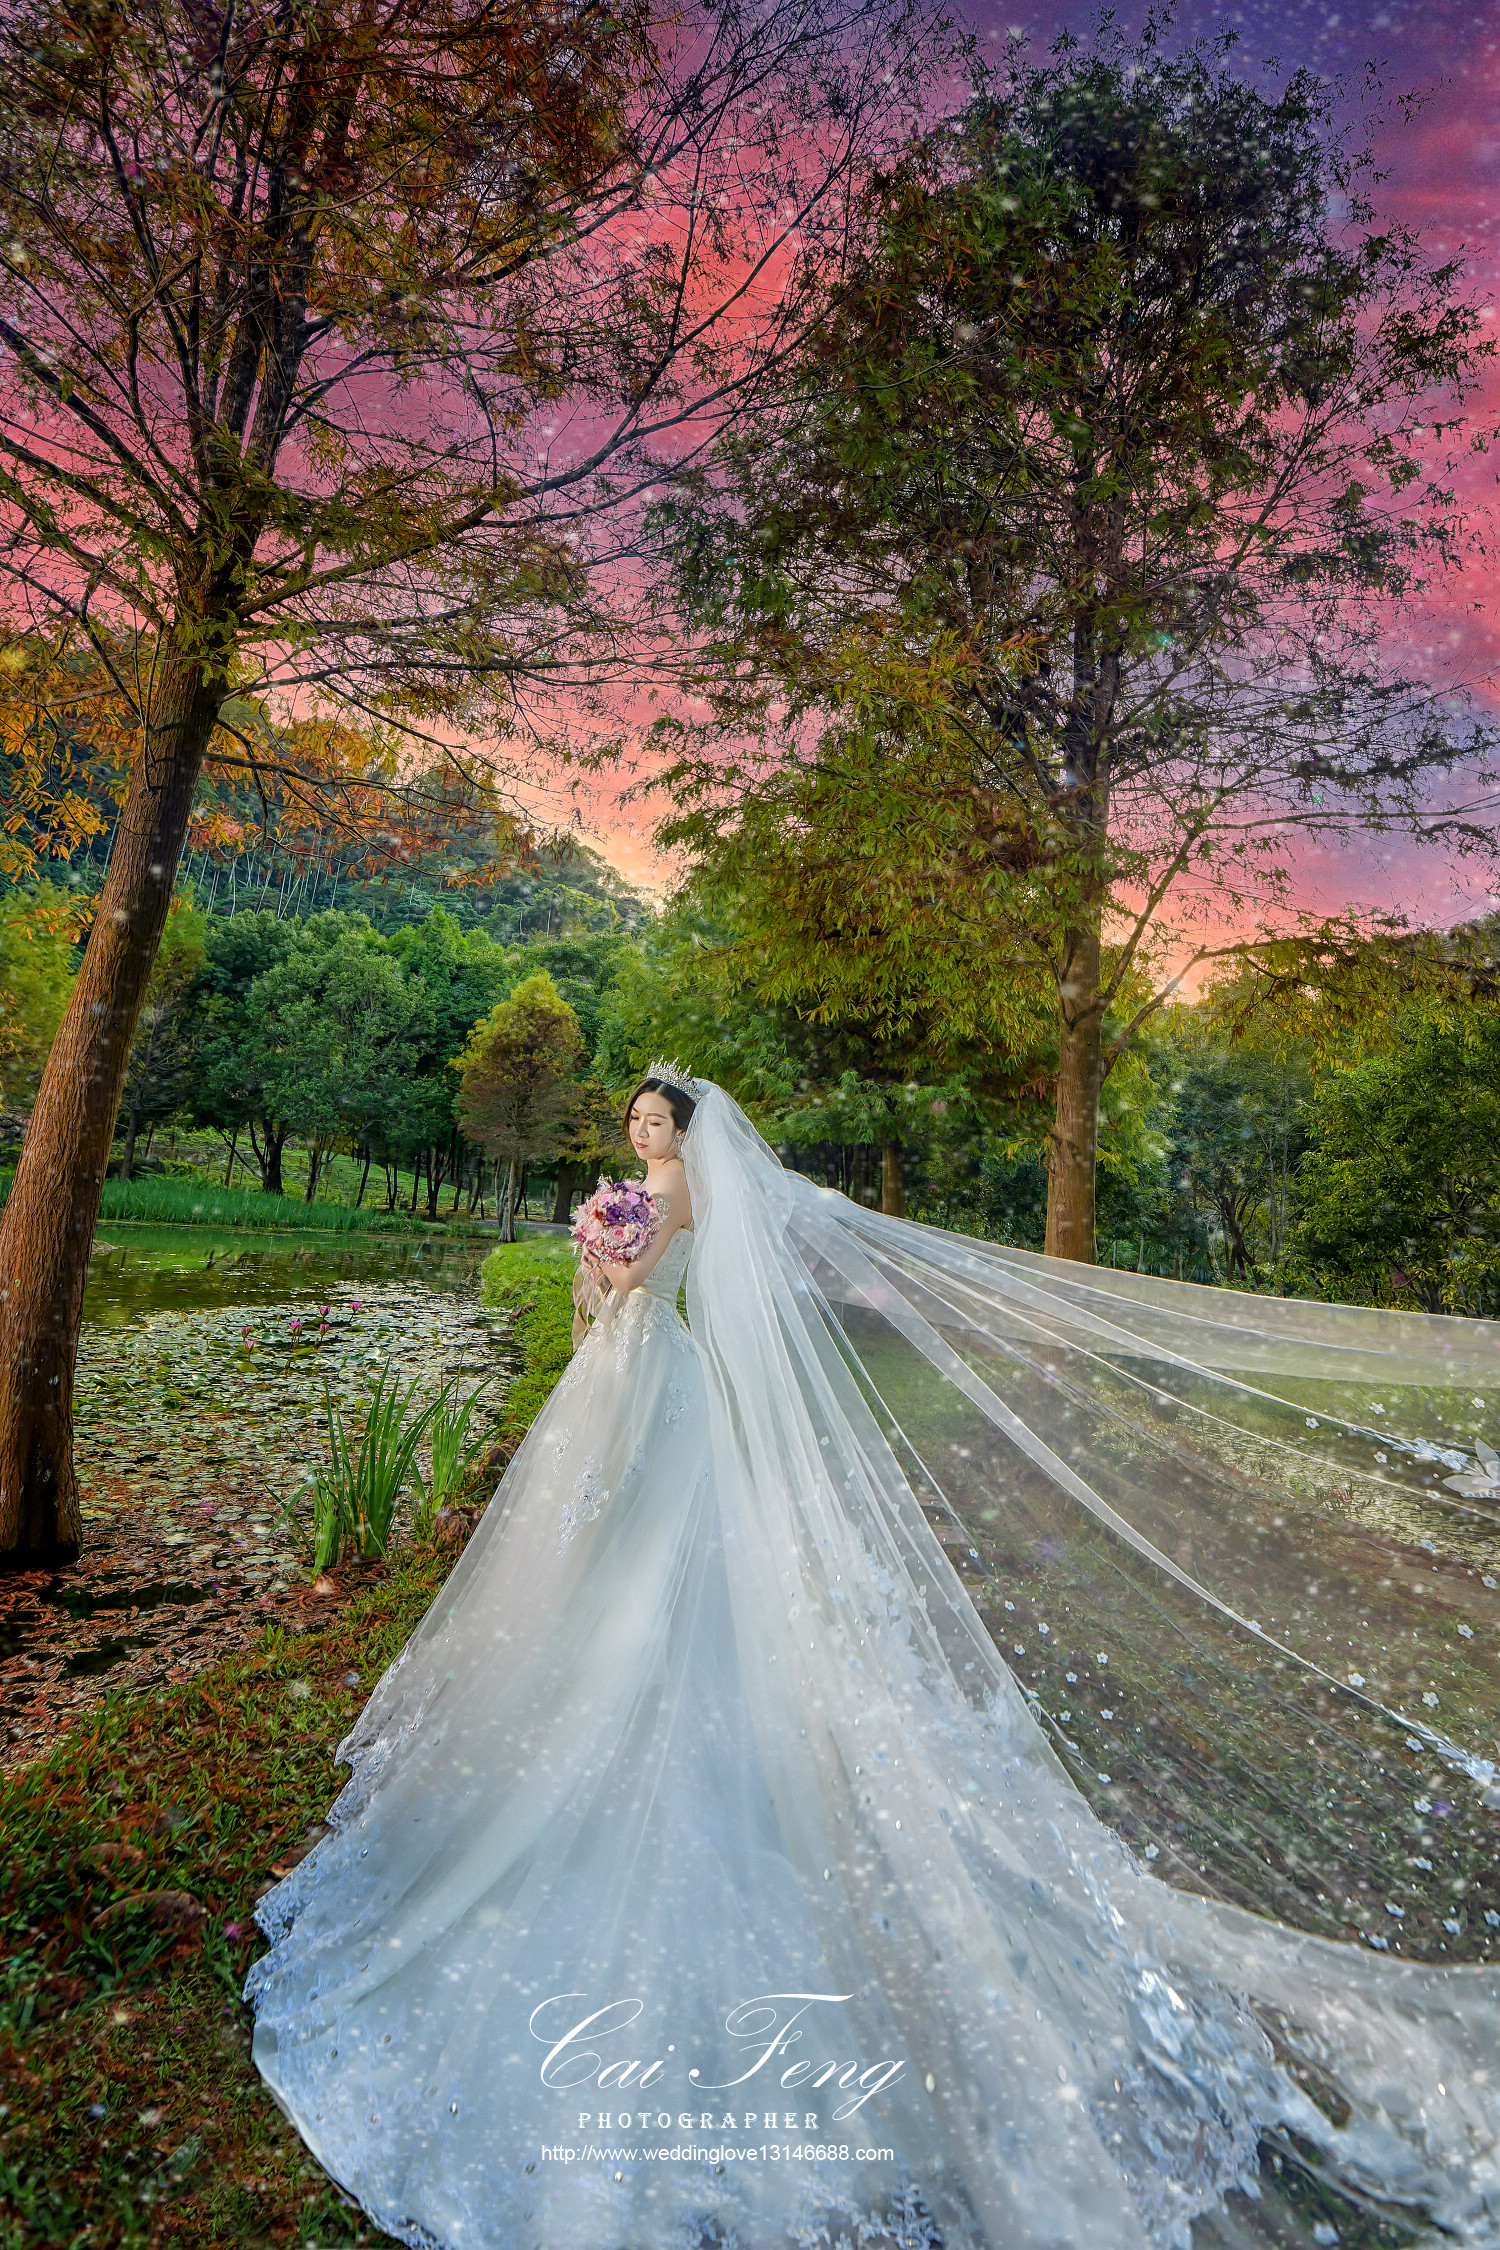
1444	181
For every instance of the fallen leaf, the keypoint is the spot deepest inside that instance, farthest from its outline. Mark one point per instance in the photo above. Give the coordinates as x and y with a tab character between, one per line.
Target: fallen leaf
169	1910
116	1856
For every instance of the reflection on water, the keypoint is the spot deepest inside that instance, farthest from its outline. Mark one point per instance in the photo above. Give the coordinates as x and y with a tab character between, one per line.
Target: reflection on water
137	1270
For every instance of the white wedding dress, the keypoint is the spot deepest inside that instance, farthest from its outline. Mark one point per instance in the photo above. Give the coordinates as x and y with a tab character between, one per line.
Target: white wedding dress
706	1877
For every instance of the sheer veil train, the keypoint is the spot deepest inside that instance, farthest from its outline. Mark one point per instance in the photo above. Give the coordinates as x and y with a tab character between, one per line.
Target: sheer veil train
707	1873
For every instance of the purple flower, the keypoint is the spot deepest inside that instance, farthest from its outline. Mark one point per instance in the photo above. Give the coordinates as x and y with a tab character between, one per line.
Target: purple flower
617	1222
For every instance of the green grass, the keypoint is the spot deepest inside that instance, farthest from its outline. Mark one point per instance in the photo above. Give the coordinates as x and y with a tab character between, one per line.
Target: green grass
195	1203
135	2120
534	1277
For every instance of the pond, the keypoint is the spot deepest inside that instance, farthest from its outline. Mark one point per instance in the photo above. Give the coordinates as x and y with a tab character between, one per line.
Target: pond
212	1362
206	1368
140	1270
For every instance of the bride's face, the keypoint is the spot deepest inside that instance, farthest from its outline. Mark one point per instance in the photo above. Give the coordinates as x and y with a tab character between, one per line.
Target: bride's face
653	1128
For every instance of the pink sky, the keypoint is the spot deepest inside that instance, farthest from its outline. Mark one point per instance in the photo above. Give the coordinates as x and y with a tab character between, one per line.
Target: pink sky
1444	180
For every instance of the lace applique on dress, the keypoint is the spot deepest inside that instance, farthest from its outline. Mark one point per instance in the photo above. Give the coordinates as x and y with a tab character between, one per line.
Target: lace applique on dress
633	1324
679	1399
573	1374
590	1494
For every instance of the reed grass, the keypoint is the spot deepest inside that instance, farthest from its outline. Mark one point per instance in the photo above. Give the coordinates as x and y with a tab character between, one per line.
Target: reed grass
174	1201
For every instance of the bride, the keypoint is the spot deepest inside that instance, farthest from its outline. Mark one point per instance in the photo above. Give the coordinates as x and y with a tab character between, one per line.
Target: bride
707	1875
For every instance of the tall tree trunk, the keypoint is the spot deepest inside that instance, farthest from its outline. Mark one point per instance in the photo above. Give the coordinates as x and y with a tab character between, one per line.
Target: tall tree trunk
562	1202
363	1177
437	1172
127	1161
275	1142
506	1198
47	1230
892	1184
233	1145
314	1159
1073	1144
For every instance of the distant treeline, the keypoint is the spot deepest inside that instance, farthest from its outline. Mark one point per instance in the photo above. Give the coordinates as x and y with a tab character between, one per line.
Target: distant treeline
1269	1144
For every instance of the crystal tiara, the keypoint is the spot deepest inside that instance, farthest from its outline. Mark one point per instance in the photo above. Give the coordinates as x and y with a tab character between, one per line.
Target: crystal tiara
673	1074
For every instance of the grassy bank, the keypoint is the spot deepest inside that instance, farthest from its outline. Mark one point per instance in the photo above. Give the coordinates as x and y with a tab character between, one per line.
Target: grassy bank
534	1279
165	1201
135	2117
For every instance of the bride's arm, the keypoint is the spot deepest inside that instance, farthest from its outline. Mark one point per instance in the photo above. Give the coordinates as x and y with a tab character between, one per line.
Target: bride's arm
678	1212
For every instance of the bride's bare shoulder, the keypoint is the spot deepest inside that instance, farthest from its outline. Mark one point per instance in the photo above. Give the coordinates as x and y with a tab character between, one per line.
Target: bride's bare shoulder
670	1191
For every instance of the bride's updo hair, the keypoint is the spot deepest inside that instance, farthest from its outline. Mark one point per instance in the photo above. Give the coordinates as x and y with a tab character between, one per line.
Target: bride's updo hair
680	1104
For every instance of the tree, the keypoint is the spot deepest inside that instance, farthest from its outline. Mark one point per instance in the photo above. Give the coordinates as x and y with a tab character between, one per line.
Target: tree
1237	1135
232	1088
1400	1186
64	752
161	1053
453	978
336	343
864	1104
1053	605
591	1143
38	961
519	1086
333	1025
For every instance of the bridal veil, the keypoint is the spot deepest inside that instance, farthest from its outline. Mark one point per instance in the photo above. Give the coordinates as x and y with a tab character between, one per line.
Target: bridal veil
936	1501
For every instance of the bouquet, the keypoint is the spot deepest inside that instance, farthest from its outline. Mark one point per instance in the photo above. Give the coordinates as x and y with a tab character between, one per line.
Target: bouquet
612	1227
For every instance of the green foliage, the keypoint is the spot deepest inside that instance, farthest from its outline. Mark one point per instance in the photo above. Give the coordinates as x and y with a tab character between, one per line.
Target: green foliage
520	1080
1401	1183
212	1782
161	1054
568	892
453	1456
232	1067
38	961
1063	585
682	993
332	1031
193	1203
1238	1133
354	1498
452	979
534	1279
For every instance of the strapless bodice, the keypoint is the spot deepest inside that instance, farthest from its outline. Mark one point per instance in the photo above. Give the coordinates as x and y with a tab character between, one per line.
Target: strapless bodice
665	1277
